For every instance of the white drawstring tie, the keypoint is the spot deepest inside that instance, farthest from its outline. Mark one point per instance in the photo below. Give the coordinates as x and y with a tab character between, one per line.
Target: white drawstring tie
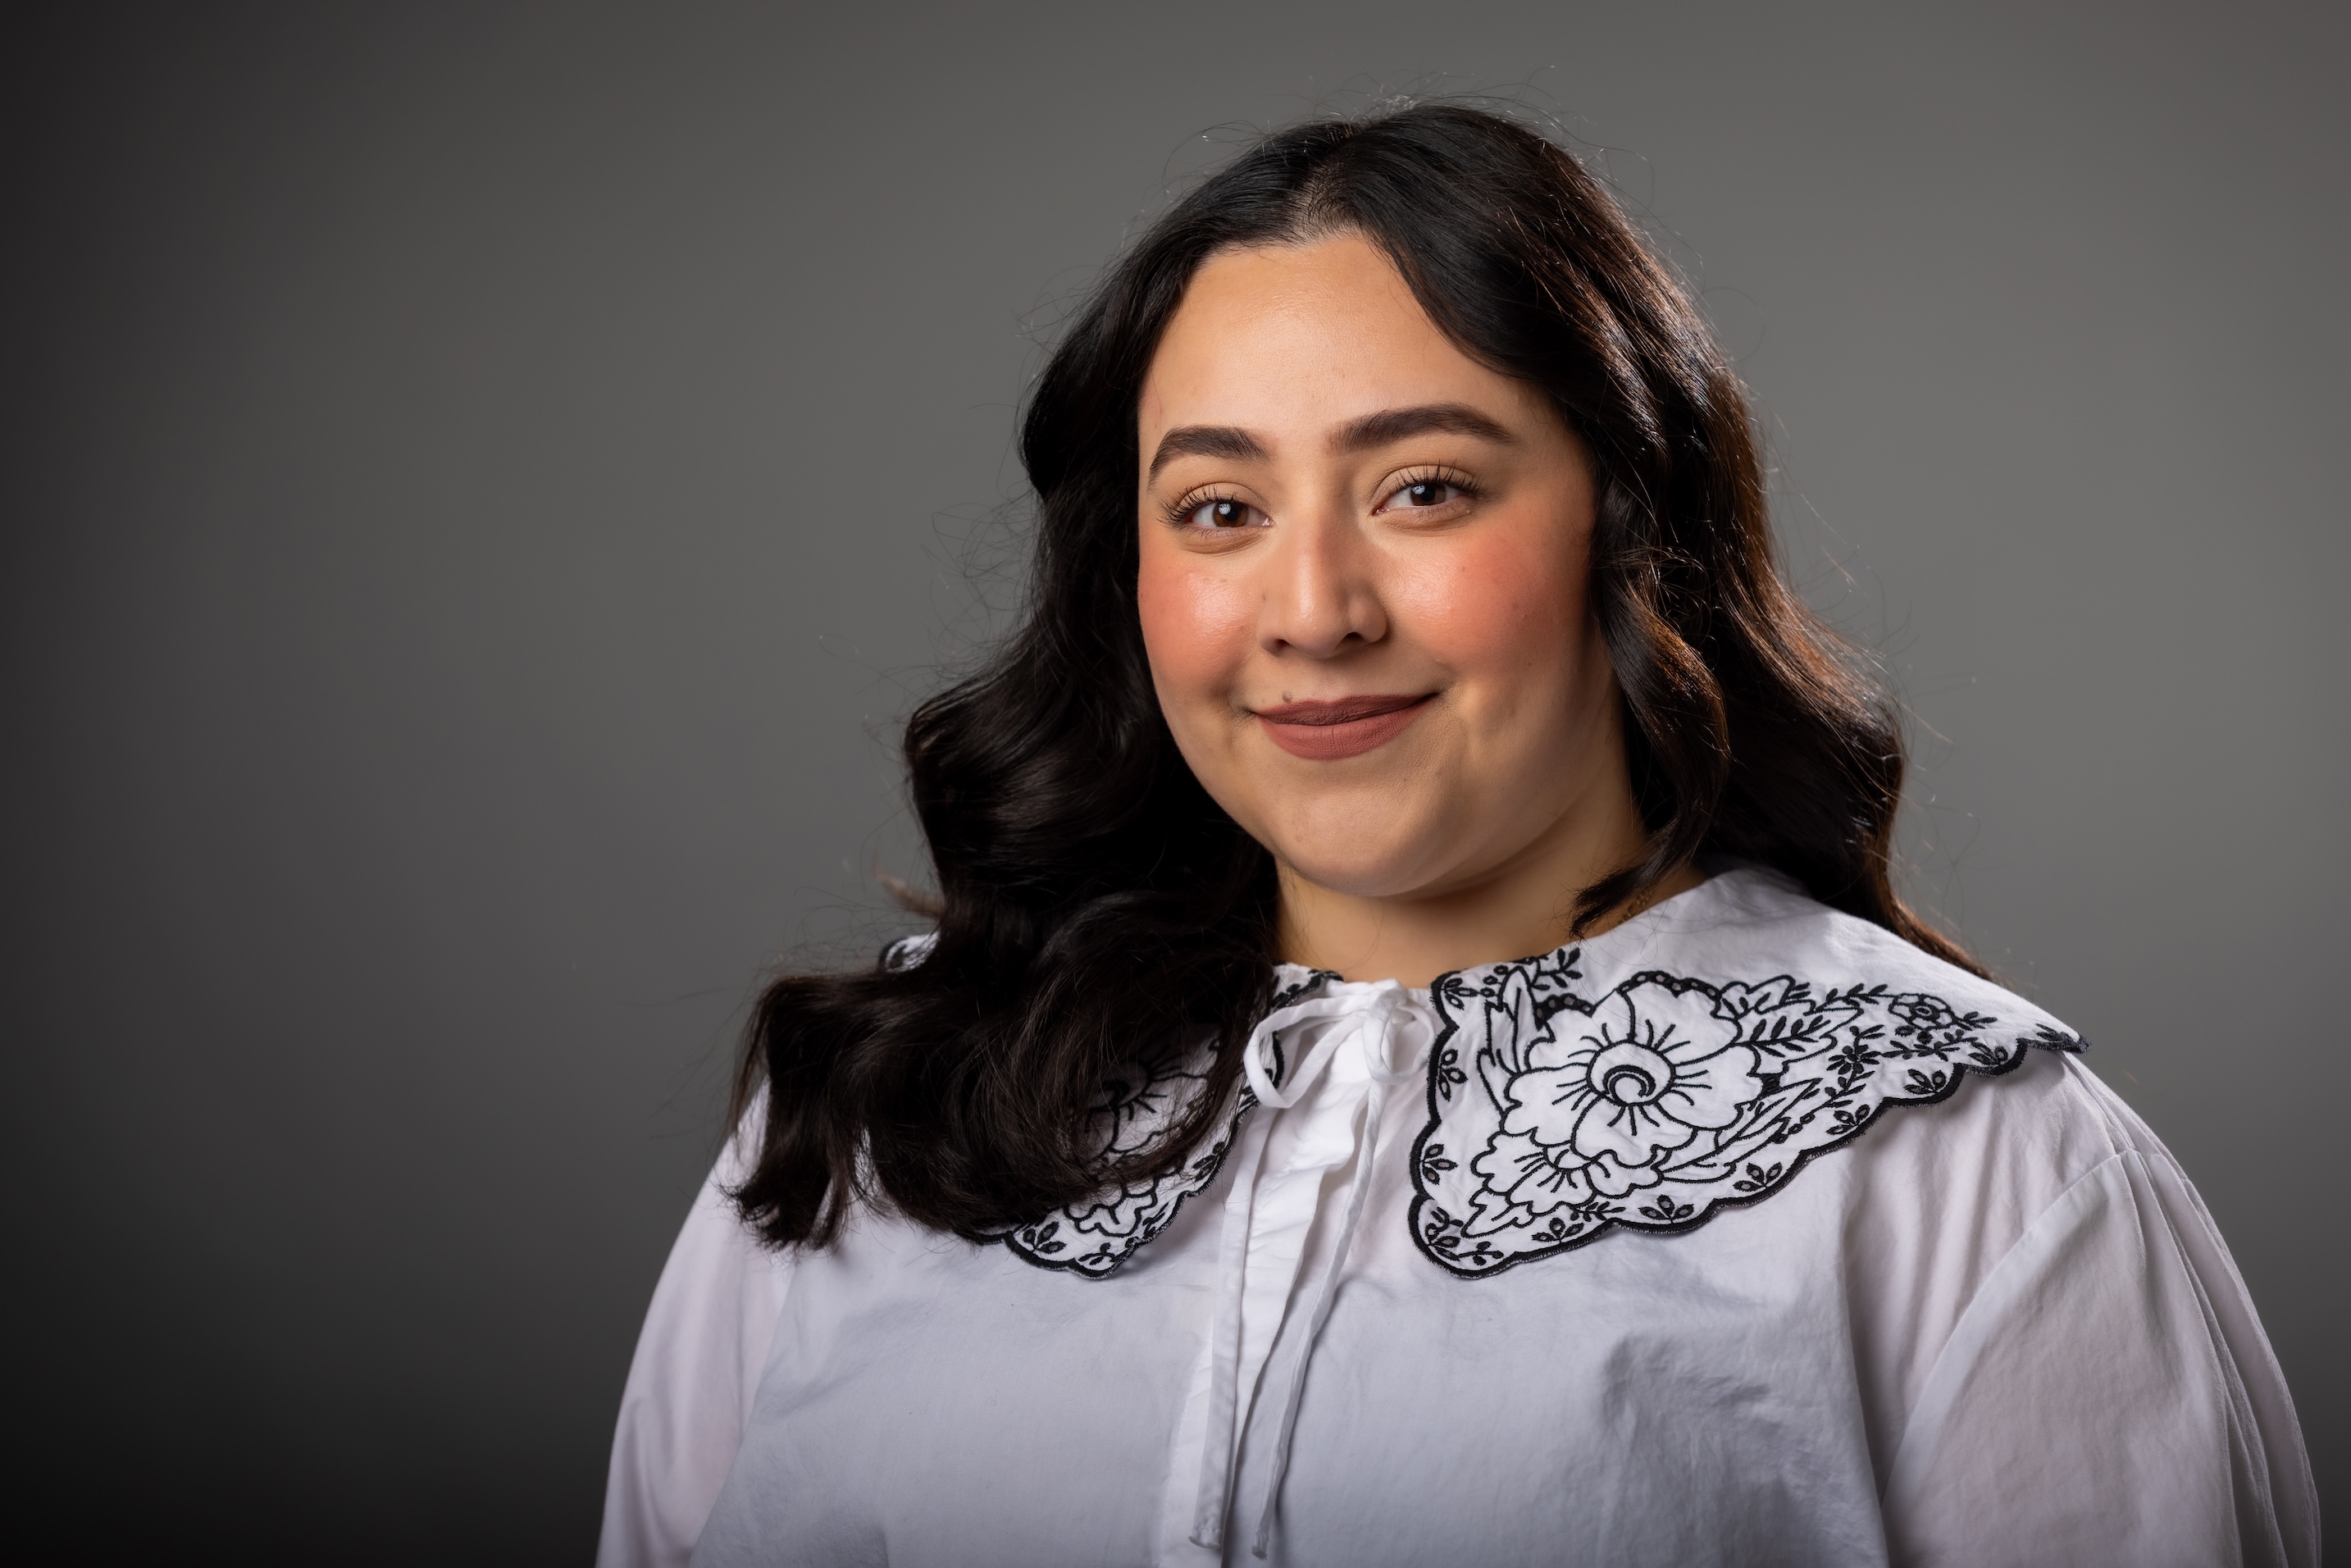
1358	1013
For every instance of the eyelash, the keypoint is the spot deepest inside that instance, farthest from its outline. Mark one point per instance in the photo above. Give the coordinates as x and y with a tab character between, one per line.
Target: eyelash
1191	501
1438	474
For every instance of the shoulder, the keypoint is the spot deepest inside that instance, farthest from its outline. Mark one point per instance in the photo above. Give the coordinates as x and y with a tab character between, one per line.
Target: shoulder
1745	932
1753	918
1698	1060
1926	1030
1986	1110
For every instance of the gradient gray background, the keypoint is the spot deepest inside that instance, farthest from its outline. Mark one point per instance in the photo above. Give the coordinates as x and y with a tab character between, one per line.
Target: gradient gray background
484	485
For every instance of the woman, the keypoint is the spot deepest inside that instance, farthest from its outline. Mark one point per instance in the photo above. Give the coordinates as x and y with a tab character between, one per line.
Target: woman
1222	1180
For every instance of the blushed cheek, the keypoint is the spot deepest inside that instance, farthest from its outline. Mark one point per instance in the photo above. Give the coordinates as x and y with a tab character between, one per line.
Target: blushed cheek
1502	607
1197	629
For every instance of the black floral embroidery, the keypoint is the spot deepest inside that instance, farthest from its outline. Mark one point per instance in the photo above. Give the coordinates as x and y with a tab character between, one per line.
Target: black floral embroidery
1662	1101
1095	1238
1554	1119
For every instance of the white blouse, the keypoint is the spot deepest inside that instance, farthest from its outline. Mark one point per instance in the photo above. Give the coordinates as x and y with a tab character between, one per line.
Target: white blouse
1693	1243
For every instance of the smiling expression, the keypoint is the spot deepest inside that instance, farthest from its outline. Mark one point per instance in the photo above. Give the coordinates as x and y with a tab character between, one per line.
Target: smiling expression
1363	572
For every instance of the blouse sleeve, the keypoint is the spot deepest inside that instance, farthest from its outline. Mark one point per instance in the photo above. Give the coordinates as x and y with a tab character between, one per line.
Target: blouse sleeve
698	1367
2107	1397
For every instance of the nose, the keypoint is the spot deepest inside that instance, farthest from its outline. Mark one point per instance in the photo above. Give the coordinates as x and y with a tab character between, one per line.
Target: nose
1321	593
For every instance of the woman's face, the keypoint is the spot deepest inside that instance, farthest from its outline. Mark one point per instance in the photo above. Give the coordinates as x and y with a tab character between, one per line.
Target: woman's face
1364	567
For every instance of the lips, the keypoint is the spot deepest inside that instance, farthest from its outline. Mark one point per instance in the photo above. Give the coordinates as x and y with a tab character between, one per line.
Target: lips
1326	731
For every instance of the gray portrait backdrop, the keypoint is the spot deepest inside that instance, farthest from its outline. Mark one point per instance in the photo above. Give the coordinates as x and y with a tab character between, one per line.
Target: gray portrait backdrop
484	486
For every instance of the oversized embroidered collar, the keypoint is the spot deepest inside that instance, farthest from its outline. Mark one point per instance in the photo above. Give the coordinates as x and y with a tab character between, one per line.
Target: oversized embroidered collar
1559	1111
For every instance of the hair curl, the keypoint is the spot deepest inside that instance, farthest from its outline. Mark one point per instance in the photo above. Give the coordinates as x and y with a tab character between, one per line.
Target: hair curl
1096	906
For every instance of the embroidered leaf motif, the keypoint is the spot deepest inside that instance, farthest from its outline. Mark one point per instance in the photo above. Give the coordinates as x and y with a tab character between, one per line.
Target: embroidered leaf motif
1433	1165
1445	1072
2051	1038
1845	1115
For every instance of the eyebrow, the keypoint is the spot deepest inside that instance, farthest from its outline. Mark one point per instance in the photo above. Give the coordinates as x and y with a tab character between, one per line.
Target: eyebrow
1396	423
1227	441
1372	430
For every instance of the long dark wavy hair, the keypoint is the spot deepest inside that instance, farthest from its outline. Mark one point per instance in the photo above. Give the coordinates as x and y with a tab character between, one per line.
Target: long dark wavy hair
1096	907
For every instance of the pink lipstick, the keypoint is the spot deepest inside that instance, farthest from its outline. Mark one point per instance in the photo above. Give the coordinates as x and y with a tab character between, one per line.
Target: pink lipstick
1326	731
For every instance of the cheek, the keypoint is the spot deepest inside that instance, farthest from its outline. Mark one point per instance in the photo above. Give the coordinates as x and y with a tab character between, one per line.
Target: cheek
1197	628
1503	607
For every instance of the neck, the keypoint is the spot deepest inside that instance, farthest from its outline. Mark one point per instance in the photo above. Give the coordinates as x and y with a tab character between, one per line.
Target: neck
1518	909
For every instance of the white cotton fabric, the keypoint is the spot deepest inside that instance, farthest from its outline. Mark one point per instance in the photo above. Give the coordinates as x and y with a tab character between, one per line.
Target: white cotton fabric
692	1383
1999	1329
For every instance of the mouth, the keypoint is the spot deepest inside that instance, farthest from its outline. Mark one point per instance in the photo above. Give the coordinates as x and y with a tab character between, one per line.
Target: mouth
1326	731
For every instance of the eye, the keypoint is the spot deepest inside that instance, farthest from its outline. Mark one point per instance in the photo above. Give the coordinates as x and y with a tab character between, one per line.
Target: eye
1218	513
1427	492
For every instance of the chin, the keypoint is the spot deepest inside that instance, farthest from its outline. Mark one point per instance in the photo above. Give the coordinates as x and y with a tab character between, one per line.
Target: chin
1365	842
1358	865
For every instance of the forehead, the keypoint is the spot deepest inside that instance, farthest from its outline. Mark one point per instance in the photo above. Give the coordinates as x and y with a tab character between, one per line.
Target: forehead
1299	339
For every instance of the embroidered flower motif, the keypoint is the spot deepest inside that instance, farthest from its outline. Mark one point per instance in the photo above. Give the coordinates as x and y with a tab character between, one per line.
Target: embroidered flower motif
1645	1075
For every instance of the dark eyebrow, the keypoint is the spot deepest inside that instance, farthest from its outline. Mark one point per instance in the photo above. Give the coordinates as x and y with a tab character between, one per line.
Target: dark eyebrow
1396	423
1207	441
